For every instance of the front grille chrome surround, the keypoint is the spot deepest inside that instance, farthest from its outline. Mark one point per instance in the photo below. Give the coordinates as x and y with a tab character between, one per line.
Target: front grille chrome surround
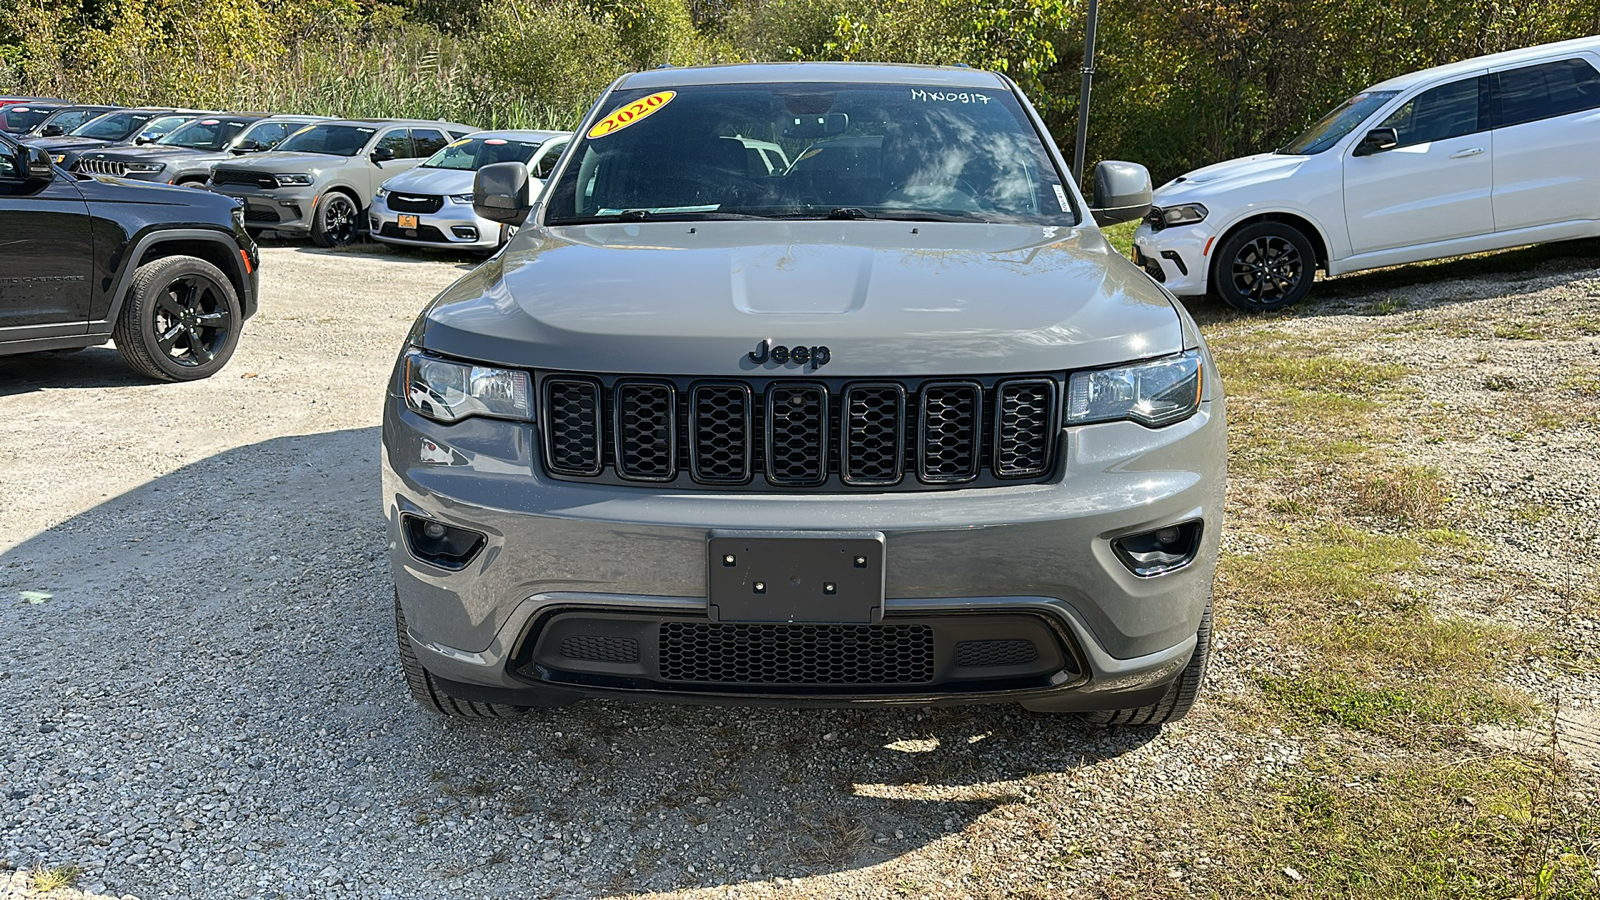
777	434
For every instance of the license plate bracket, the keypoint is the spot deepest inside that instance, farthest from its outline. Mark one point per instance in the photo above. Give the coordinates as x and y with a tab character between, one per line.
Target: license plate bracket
795	577
407	221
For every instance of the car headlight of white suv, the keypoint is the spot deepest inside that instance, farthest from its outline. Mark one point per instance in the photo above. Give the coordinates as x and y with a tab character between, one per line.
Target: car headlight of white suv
1182	214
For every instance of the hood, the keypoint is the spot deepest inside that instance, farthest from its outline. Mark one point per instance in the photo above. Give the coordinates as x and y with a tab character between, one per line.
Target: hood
432	181
150	152
886	298
1233	173
275	162
68	142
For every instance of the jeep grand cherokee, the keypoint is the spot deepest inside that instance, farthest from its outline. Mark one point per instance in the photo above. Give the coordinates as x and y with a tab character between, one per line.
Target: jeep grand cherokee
890	424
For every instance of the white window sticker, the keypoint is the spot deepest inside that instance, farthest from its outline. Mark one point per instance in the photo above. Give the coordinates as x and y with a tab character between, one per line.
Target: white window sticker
949	96
1061	198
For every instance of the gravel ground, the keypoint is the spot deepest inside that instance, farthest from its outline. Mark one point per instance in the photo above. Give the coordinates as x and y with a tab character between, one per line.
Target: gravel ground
208	704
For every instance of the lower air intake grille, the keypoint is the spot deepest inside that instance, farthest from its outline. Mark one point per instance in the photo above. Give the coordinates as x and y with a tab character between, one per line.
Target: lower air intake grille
977	654
736	653
601	649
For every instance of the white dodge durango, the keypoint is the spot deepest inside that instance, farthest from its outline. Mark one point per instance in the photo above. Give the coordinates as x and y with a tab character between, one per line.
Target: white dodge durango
1493	152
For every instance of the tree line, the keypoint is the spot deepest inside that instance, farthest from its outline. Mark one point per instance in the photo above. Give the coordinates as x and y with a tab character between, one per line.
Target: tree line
1177	85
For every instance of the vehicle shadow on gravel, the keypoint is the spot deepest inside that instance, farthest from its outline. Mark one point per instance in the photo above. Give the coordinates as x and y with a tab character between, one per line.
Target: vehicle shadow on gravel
95	367
209	704
376	250
1426	284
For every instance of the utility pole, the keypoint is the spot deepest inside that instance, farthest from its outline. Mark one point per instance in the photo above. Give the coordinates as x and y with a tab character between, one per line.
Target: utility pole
1083	97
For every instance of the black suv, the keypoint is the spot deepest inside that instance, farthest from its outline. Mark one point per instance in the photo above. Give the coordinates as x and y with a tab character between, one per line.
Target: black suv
169	273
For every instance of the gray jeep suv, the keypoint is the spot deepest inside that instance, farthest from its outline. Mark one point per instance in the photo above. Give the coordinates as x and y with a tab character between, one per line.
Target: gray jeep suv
890	424
320	180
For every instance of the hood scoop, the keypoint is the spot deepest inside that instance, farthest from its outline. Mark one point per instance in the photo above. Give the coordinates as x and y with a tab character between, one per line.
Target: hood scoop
799	279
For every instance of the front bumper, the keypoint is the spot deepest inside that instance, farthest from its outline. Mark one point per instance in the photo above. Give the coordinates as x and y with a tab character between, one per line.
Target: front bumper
1030	563
1177	257
285	209
453	225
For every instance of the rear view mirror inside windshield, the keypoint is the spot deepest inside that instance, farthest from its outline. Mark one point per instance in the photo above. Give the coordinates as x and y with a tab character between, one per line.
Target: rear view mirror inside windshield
808	127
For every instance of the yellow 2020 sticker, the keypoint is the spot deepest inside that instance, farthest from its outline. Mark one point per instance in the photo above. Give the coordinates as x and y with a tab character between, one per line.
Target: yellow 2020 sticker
630	114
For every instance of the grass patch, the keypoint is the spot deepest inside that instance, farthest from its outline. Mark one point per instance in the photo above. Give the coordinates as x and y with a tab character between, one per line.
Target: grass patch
52	878
1121	236
1411	495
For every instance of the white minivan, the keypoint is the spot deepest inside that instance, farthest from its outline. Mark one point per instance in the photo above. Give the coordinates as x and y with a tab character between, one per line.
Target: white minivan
1494	152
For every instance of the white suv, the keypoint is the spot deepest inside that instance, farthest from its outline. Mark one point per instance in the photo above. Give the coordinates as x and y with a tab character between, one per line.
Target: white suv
1494	152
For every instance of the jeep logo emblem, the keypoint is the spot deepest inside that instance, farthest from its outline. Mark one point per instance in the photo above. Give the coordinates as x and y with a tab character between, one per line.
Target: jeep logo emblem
799	354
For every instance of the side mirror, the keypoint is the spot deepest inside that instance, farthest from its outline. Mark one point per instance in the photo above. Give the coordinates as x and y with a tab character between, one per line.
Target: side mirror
501	193
1122	192
246	147
382	155
39	167
1376	141
143	139
53	131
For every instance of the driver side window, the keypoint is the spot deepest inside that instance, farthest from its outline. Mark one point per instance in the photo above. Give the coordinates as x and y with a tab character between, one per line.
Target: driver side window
1444	112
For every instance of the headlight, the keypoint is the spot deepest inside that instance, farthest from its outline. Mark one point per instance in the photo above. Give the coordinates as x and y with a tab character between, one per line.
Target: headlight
1154	393
382	193
1183	214
285	180
450	391
144	167
461	198
59	158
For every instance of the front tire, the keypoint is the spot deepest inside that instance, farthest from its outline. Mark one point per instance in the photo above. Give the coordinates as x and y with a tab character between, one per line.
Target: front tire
425	690
180	320
337	221
1265	266
1180	697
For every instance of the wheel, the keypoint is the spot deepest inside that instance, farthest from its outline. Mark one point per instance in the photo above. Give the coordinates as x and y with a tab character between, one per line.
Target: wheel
426	691
180	320
337	221
1265	266
1180	697
198	184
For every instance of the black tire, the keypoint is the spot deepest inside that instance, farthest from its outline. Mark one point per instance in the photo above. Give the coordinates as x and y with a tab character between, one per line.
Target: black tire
1180	697
196	183
427	692
337	221
180	320
1265	266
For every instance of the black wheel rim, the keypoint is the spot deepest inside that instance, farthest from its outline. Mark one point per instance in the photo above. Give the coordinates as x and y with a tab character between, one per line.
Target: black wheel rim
339	216
1268	269
192	320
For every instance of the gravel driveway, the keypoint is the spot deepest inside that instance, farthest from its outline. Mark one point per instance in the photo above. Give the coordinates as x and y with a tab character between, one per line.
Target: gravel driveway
208	704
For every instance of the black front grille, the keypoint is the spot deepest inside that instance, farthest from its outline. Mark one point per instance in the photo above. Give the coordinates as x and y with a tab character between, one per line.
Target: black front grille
984	654
601	648
783	434
242	176
737	653
415	203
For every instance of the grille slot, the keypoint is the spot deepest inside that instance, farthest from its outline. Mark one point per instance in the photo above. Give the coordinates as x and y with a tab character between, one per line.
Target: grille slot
981	654
240	176
599	648
874	434
646	431
1024	422
415	203
720	448
572	438
738	653
952	423
797	434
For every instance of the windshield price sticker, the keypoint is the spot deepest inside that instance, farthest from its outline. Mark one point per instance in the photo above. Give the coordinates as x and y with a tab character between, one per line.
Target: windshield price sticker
1061	198
630	114
949	96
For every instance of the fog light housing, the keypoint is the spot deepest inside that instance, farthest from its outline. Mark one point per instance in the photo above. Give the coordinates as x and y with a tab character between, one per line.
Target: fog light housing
438	544
464	232
1166	549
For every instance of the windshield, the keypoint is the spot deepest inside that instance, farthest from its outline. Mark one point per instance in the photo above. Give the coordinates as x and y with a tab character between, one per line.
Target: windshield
17	119
472	154
203	134
113	126
334	140
811	150
1338	123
